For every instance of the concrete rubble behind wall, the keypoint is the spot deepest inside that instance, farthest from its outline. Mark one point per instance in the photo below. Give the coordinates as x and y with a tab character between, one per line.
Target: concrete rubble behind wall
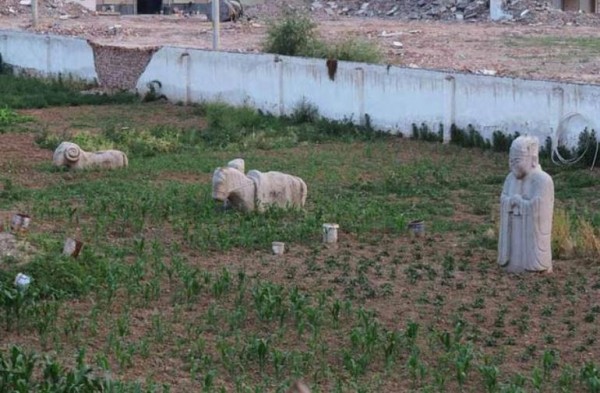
528	11
431	9
46	8
525	11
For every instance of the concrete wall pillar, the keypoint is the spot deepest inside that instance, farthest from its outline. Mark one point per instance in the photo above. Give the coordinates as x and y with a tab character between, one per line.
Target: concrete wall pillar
449	105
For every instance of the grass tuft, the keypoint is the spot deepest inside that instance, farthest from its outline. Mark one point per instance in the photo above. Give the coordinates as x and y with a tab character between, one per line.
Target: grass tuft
562	239
588	240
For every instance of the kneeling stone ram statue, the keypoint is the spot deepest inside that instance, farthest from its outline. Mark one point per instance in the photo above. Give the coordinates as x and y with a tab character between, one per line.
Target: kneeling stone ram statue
70	155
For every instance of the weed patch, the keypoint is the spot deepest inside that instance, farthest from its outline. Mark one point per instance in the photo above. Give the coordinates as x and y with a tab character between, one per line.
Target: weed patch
19	92
9	118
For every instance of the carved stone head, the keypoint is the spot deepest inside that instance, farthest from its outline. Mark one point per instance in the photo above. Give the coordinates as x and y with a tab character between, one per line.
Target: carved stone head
523	156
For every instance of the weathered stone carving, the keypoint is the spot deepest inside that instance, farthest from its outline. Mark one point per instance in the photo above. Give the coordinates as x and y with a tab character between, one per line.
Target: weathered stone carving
72	156
257	190
238	164
526	207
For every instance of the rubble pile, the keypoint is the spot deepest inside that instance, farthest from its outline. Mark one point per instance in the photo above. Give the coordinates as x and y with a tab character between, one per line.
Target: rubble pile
46	8
526	11
86	30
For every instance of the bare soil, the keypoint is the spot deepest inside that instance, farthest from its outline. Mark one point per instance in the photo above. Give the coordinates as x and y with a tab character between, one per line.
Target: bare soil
555	46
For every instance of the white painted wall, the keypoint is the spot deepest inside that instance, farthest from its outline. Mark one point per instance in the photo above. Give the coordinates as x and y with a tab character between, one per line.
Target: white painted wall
49	55
393	97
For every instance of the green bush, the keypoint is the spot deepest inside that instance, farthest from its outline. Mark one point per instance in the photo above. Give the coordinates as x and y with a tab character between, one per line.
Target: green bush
355	49
305	112
587	148
501	142
423	133
468	138
293	35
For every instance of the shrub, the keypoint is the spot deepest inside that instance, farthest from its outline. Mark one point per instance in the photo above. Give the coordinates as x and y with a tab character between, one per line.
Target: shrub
585	154
305	112
501	142
425	134
468	138
587	148
293	35
355	49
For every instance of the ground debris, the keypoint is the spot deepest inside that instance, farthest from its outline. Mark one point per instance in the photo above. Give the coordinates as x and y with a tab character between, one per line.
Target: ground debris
46	8
519	11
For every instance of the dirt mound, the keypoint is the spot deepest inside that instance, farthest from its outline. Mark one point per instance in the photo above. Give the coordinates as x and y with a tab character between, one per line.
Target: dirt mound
46	8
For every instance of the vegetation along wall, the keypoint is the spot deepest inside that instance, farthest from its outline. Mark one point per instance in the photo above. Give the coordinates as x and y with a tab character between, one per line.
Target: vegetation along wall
390	98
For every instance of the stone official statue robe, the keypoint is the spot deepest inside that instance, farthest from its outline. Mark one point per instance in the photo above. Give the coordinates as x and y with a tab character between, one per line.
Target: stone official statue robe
526	228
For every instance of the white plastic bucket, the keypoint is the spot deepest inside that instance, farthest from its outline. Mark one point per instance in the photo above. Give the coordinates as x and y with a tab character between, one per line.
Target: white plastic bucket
330	233
417	228
278	248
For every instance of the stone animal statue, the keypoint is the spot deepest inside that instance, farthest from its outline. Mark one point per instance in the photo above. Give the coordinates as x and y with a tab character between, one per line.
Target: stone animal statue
238	164
72	156
257	190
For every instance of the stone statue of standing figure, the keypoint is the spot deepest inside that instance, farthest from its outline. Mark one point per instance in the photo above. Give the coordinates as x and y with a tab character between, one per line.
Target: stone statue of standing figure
526	208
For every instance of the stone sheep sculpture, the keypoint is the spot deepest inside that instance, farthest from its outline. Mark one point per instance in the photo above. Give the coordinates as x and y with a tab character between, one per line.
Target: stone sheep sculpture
258	190
238	164
70	155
